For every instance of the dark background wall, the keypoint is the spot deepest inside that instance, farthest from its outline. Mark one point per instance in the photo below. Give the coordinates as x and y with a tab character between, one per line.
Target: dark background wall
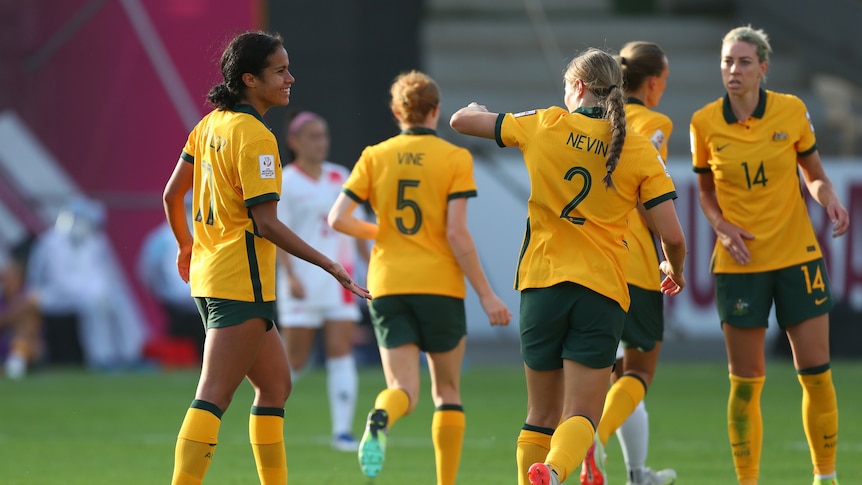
344	55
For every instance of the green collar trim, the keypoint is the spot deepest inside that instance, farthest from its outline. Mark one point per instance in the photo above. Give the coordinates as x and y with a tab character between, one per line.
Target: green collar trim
418	130
249	109
591	111
730	118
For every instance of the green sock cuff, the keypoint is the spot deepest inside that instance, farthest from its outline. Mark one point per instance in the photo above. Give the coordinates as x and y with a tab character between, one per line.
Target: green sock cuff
450	407
267	411
810	371
207	406
537	429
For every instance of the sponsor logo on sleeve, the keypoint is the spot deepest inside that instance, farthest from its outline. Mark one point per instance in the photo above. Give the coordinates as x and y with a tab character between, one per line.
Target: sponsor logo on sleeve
525	113
658	139
267	166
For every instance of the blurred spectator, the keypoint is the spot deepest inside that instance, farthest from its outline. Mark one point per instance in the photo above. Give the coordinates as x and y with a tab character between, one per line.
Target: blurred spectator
157	270
81	294
19	319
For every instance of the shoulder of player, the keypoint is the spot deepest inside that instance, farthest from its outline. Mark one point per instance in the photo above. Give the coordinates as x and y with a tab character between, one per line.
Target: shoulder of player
709	109
636	141
249	127
784	101
647	118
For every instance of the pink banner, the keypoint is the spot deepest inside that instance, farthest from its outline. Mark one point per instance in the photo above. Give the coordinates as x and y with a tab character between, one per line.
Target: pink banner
112	88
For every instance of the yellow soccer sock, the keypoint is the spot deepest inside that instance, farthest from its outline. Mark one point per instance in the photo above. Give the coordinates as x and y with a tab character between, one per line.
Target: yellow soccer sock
447	433
534	443
745	426
266	433
196	443
395	402
623	397
820	417
569	445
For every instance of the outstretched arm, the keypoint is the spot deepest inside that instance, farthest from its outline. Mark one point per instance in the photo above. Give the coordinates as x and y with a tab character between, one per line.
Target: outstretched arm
474	120
270	227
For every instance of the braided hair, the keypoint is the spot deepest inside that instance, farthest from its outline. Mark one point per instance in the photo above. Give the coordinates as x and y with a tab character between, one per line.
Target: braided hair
601	74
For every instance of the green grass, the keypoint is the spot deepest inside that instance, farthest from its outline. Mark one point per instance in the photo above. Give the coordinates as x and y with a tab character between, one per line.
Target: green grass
65	427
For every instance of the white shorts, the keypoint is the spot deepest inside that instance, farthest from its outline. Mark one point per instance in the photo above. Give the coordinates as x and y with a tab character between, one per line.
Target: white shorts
292	313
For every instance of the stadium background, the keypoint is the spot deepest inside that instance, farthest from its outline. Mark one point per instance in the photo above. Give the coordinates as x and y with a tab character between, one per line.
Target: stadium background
97	97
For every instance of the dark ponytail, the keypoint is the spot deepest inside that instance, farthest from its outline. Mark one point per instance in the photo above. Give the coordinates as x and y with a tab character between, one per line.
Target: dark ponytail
246	53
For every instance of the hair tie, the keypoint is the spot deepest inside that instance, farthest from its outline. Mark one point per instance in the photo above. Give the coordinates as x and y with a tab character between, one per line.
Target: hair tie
300	120
611	88
623	61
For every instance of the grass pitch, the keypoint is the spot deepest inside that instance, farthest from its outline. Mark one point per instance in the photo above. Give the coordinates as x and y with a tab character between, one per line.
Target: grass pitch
70	427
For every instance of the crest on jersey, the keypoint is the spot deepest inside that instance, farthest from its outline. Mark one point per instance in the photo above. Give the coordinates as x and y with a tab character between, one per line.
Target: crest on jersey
779	136
267	166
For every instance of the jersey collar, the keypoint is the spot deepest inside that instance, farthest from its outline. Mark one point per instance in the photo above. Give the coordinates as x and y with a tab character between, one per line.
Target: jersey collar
635	101
418	130
591	111
249	109
730	118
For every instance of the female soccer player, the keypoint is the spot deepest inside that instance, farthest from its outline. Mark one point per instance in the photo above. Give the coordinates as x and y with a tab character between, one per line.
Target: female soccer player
645	72
418	186
308	299
231	163
586	175
747	148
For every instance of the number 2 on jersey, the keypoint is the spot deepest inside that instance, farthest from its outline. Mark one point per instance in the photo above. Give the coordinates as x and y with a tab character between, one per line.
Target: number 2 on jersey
588	183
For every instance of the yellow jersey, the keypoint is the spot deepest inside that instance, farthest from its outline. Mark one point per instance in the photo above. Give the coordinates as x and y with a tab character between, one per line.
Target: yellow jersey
757	181
409	180
236	165
575	225
642	269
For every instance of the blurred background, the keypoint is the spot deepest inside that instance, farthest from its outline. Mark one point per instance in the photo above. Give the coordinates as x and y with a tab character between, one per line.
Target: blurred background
97	98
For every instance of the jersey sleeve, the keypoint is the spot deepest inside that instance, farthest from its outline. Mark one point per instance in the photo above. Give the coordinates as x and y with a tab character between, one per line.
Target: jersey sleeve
807	142
658	130
358	184
699	149
513	129
463	184
189	150
258	167
656	183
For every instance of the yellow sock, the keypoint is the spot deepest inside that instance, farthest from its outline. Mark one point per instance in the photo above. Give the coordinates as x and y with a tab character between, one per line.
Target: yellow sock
534	443
569	445
623	397
266	433
820	417
395	402
196	443
745	426
447	433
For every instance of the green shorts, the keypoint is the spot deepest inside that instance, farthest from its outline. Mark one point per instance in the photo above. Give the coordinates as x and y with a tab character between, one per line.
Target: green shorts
799	292
645	319
435	323
569	321
219	313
